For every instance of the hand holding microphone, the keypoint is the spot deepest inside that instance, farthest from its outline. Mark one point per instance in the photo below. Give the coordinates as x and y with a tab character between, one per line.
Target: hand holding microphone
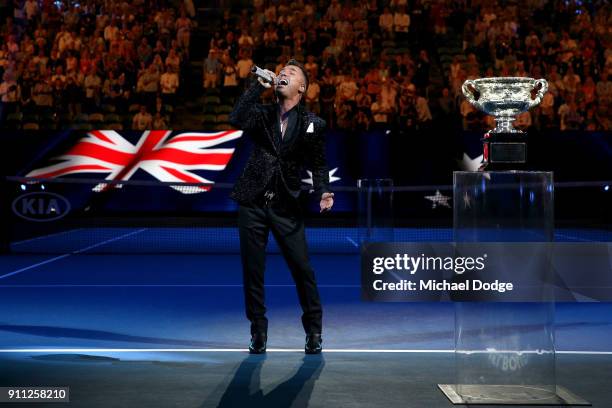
267	78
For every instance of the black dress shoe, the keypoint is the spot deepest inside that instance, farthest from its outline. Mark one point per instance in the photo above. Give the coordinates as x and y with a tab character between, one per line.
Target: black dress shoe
313	343
258	343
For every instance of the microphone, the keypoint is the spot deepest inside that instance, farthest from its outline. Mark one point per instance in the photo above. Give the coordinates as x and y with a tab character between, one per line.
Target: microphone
255	70
258	72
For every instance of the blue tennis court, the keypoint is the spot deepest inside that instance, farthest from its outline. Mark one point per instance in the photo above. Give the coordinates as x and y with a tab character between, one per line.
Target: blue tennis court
100	293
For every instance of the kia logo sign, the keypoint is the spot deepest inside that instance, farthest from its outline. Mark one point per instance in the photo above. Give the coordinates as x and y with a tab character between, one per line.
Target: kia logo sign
41	206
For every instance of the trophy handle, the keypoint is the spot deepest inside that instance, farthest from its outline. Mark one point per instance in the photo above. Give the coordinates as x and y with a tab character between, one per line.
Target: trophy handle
540	93
468	93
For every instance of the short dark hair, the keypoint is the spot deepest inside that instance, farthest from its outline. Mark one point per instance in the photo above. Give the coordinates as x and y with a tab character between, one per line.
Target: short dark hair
298	64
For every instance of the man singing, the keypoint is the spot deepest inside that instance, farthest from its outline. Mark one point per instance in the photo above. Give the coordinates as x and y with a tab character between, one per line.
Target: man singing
287	138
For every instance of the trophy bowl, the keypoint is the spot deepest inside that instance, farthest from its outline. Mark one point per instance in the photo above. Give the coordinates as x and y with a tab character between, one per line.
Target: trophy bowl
504	98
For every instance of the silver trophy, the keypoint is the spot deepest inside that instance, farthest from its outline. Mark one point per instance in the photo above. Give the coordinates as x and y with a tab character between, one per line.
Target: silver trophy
504	98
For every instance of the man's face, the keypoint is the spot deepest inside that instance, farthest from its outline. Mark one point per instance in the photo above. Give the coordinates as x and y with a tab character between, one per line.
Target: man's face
296	82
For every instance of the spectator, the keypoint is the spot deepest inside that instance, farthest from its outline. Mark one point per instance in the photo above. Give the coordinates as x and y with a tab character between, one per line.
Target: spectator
380	111
270	37
159	122
173	61
93	85
312	67
468	114
523	121
147	85
365	46
169	82
564	111
363	120
10	93
183	30
159	49
42	93
388	95
347	89
59	97
345	115
455	68
86	62
421	75
588	90
547	105
230	80
407	113
373	82
123	93
59	75
144	51
401	23
363	100
328	95
571	81
159	107
142	120
567	46
244	65
555	83
603	118
245	41
446	103
312	96
111	32
590	122
572	118
423	113
31	9
212	68
73	96
333	11
231	45
385	22
603	89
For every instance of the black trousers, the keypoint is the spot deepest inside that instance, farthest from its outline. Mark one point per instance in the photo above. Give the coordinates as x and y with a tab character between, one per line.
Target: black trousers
255	222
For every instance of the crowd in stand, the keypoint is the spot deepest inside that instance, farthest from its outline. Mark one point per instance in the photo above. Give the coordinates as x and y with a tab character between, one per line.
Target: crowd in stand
96	63
378	63
390	63
567	44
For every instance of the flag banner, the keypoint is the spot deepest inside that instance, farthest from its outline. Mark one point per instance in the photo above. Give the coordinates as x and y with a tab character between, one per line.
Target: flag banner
218	158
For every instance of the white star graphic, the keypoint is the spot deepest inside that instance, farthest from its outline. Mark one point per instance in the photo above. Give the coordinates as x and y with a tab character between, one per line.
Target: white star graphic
438	199
332	178
469	164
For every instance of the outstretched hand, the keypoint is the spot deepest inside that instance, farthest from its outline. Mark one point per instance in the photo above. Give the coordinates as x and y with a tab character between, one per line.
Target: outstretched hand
327	201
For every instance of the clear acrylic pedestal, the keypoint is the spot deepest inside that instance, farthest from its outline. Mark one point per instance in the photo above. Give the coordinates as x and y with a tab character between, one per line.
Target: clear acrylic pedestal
505	351
375	210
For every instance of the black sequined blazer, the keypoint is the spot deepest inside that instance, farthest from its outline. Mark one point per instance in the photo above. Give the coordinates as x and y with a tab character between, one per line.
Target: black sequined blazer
305	150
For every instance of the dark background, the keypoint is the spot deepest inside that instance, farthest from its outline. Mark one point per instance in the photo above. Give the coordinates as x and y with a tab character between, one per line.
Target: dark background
425	159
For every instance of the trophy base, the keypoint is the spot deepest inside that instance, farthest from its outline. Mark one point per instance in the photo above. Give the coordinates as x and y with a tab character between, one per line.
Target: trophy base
504	151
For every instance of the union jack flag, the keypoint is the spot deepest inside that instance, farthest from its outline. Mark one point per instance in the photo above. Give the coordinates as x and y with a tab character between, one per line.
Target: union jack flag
168	159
